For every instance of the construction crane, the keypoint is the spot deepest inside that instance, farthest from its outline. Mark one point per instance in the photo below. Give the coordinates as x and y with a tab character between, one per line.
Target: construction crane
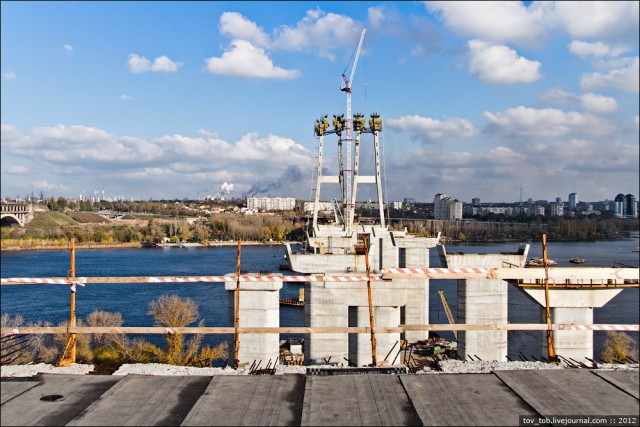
346	87
448	311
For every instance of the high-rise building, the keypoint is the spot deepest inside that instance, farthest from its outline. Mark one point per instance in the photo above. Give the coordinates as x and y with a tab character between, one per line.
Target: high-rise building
573	201
618	205
630	206
446	208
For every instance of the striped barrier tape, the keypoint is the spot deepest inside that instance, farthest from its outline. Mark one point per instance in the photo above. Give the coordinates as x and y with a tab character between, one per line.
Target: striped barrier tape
261	279
605	327
45	281
437	270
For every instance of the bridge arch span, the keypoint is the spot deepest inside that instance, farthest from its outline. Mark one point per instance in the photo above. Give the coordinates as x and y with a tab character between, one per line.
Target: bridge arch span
10	220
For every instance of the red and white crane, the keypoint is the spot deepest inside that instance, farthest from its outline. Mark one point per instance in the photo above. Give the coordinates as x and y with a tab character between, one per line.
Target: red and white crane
346	87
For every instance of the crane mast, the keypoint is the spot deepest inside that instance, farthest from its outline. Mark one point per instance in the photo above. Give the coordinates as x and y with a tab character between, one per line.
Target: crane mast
346	87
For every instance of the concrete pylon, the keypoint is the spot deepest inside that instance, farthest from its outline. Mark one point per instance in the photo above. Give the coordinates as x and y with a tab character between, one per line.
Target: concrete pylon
259	307
574	306
483	301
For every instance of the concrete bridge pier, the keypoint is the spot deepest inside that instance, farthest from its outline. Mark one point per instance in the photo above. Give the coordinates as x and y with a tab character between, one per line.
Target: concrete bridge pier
259	307
346	304
483	301
574	306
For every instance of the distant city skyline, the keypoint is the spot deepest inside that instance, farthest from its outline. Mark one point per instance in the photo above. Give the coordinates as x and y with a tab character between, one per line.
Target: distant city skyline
173	100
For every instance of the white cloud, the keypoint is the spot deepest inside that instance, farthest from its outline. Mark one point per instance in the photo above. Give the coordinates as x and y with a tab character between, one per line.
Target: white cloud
49	186
626	79
235	26
584	49
428	130
139	64
165	65
175	162
125	97
547	122
598	19
500	64
9	75
17	170
68	49
245	60
376	16
497	21
589	101
318	32
598	103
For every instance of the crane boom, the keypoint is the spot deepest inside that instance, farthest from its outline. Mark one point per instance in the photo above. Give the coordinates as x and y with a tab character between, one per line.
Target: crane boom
346	87
447	310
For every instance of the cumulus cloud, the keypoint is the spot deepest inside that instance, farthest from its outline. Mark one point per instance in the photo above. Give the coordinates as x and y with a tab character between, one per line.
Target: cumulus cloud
151	166
376	16
598	19
626	78
428	130
584	49
235	26
501	64
10	75
588	101
245	60
139	64
125	97
318	32
68	49
496	21
546	122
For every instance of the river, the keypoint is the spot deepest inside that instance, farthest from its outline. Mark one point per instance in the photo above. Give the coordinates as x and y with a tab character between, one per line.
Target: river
51	302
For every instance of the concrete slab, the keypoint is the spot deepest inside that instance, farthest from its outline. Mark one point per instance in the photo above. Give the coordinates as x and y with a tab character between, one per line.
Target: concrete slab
249	400
143	400
627	381
357	400
469	399
77	393
13	387
568	392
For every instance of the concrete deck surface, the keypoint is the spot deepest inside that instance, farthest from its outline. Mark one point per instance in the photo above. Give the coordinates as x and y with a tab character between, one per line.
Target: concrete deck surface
498	398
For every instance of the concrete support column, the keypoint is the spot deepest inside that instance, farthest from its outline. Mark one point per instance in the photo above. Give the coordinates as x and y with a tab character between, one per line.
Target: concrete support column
416	310
386	316
259	307
360	344
574	306
482	302
322	308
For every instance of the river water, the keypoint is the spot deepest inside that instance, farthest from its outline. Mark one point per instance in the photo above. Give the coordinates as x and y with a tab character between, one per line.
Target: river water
51	302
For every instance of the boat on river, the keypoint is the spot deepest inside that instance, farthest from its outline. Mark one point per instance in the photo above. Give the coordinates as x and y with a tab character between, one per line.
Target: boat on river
539	262
577	260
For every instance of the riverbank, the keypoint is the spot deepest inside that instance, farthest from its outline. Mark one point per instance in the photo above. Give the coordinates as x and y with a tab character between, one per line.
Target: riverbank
11	246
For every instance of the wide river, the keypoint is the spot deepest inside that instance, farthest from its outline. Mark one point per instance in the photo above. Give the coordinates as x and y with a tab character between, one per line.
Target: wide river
51	302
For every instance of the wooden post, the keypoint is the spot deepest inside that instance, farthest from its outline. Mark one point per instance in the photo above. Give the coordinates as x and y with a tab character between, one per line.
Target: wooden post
371	321
236	360
72	317
550	349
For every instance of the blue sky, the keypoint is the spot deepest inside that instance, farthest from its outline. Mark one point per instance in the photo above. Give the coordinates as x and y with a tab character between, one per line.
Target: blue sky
186	99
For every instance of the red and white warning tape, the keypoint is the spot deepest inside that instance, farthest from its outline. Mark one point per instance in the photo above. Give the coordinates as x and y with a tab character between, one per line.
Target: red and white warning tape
437	270
605	327
27	281
261	279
